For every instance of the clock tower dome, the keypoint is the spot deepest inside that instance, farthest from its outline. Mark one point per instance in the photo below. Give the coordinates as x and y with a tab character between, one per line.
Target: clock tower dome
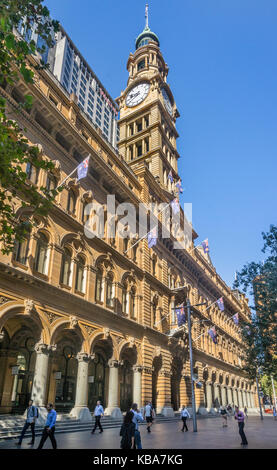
148	113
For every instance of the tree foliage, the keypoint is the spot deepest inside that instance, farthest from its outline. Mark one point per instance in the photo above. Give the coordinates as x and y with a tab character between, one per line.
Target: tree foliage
259	280
15	151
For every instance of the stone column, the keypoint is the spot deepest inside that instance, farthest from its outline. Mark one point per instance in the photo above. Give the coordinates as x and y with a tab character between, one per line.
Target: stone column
80	410
41	379
164	383
209	397
137	370
113	397
15	382
229	395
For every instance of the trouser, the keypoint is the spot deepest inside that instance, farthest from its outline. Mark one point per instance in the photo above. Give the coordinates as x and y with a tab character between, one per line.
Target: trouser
25	427
45	436
97	423
242	435
137	440
184	423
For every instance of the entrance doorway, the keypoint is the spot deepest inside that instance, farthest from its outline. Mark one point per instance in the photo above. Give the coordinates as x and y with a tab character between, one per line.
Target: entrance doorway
126	385
96	388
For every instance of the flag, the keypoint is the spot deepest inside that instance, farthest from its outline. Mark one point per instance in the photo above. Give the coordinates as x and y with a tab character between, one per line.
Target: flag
152	237
82	169
205	245
175	206
170	177
213	334
181	316
220	303
236	318
179	186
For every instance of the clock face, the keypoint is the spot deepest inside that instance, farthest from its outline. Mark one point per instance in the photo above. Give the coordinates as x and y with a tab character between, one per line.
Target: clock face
167	102
137	94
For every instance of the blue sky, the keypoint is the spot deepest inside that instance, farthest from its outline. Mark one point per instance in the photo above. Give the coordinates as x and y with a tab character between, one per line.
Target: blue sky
223	74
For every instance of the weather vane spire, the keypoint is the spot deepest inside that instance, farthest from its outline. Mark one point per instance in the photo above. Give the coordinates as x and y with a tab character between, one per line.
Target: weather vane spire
146	16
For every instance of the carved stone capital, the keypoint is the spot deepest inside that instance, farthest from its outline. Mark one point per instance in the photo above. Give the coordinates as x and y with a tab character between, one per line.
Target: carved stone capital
131	340
113	363
84	357
2	335
41	348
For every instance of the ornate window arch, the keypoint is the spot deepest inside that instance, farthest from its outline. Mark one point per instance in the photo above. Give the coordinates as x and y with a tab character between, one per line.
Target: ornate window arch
71	201
42	254
129	295
80	279
99	285
67	267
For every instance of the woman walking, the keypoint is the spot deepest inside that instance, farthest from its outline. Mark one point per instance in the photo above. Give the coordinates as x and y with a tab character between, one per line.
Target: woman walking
184	415
127	432
274	413
239	416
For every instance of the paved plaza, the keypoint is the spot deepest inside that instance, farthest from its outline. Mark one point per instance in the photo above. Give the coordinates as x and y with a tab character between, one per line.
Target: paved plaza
210	435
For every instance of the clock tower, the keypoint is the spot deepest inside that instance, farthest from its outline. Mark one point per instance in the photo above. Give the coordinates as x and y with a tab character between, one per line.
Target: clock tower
148	113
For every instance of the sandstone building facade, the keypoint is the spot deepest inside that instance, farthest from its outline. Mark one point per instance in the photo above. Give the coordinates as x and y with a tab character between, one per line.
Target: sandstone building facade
84	319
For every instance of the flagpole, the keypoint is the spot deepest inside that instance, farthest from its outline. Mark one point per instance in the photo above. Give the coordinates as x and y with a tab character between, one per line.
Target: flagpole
144	236
70	174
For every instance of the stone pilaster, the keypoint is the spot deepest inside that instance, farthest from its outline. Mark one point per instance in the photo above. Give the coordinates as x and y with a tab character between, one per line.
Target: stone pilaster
113	395
80	410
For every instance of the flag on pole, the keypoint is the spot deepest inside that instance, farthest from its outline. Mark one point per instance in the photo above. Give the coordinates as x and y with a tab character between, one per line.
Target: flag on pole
181	316
152	237
179	186
236	318
220	303
175	206
213	334
205	245
82	169
170	177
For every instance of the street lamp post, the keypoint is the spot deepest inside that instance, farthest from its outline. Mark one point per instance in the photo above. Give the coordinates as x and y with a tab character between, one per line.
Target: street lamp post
191	369
273	390
259	398
188	307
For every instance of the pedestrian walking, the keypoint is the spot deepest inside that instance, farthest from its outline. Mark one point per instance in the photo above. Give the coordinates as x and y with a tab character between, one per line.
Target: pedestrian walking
49	429
127	432
223	413
184	416
137	418
274	413
239	416
32	415
149	415
98	413
245	412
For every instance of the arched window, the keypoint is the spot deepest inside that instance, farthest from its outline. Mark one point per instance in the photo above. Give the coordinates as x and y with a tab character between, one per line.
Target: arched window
71	201
42	254
132	302
51	182
110	291
80	284
66	271
125	244
154	263
32	173
99	286
21	251
124	299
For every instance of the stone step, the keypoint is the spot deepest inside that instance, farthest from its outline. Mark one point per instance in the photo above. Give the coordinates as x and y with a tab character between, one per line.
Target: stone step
63	427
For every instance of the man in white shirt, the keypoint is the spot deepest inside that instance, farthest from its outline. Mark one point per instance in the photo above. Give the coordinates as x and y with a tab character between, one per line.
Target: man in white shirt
184	415
138	418
98	413
148	415
32	415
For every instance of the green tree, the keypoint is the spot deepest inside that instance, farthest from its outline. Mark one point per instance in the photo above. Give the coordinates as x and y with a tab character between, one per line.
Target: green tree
15	151
259	281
